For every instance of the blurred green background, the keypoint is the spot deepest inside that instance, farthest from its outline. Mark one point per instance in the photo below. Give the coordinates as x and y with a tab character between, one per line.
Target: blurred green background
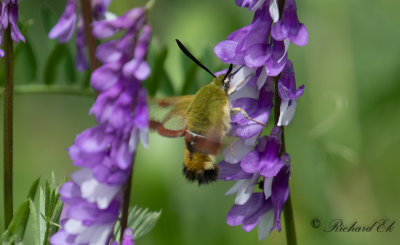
344	140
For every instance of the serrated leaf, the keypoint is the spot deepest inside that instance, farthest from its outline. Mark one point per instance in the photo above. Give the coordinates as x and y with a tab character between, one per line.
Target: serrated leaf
53	62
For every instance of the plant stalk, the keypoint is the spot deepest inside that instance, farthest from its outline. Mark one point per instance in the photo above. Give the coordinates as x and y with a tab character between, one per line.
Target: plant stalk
127	198
287	210
91	41
8	127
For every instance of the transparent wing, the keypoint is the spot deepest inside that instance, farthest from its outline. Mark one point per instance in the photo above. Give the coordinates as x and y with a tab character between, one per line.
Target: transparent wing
168	115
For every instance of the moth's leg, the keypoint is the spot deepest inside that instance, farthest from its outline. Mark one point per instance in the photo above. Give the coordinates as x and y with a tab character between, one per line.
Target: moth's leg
238	109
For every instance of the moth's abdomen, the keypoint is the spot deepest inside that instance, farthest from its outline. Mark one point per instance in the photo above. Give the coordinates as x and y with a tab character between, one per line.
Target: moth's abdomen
200	167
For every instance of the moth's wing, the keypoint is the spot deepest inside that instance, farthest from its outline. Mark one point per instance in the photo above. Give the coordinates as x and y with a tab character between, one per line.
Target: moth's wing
168	115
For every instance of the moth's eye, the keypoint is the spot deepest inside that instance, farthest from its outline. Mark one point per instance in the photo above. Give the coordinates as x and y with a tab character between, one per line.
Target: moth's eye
226	84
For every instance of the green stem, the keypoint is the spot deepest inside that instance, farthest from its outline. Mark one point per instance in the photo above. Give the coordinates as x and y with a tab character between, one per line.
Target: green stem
287	210
8	127
51	89
289	222
127	198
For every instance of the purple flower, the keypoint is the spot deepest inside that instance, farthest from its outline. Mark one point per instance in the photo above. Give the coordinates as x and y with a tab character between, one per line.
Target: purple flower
280	191
87	222
81	62
252	46
288	94
248	45
289	27
119	79
257	208
249	214
105	152
265	158
256	102
69	20
65	27
259	52
133	19
9	16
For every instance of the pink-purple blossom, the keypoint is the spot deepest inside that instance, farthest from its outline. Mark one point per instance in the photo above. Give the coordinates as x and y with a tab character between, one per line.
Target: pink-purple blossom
70	20
105	152
9	17
289	27
262	71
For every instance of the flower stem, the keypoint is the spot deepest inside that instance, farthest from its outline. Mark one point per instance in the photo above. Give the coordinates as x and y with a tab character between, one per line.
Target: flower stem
51	89
8	127
287	210
289	222
125	205
91	41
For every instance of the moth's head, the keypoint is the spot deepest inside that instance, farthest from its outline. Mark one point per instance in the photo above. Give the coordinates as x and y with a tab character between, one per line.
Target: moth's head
224	80
227	78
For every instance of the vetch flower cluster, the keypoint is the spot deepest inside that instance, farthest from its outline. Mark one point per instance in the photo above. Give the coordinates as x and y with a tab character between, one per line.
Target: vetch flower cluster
71	19
105	152
262	71
9	16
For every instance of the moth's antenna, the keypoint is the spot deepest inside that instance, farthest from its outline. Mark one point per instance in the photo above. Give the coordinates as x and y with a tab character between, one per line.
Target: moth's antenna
188	54
234	73
228	72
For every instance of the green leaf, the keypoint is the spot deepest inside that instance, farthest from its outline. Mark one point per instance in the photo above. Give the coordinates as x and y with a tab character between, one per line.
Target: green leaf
53	62
143	222
24	52
140	220
86	79
153	83
69	67
42	222
185	61
33	189
53	179
55	219
189	84
166	85
50	209
16	229
35	222
48	17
